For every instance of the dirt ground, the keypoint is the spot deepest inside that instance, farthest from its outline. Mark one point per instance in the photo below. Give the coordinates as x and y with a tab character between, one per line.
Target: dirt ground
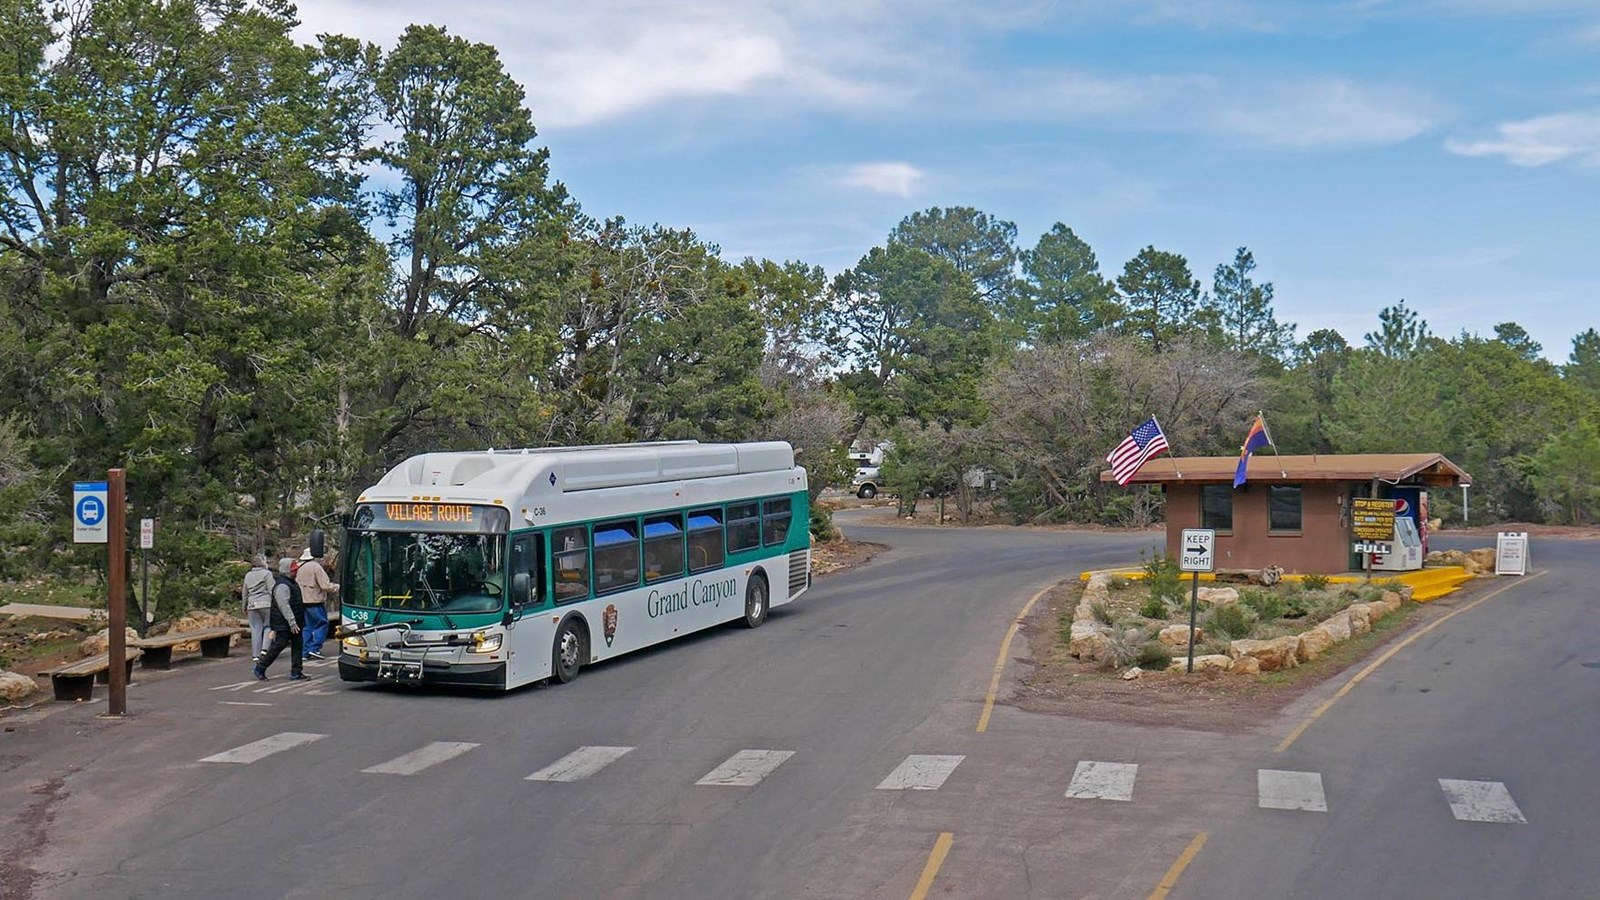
1057	684
29	645
837	556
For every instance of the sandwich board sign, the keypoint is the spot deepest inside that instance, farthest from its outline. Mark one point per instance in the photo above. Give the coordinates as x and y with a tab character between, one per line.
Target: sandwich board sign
1197	551
90	508
1511	553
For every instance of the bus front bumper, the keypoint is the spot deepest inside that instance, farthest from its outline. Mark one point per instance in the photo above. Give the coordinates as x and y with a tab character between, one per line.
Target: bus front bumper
481	675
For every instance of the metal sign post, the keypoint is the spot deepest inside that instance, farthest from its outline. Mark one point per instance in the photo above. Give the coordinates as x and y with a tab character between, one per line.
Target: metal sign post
147	539
117	598
1197	553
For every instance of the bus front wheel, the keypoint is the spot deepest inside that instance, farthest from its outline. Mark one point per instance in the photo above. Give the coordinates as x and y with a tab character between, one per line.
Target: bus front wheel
756	601
570	649
867	492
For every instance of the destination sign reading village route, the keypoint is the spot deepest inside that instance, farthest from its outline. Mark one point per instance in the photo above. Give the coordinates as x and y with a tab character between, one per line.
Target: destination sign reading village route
428	512
1372	520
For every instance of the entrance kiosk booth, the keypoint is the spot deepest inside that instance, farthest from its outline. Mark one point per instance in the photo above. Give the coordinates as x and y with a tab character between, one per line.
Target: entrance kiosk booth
1308	514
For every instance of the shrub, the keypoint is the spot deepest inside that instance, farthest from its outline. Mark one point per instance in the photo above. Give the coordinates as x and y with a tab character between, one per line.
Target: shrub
1123	646
1154	608
1266	605
1118	582
1232	619
1315	582
1155	655
1102	614
822	524
1163	578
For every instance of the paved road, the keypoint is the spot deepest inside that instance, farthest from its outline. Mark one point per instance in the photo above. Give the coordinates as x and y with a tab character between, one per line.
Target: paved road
823	756
1465	766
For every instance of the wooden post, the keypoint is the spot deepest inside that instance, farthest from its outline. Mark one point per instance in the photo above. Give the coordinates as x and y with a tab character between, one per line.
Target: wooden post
116	585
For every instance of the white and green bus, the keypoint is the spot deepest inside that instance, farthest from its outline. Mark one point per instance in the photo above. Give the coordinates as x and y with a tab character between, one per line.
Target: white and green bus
500	568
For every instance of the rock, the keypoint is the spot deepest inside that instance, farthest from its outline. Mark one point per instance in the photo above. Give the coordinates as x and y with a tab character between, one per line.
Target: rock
1271	575
1360	619
1208	662
1484	557
1278	653
1132	673
1406	591
200	620
14	687
96	644
1390	602
1218	596
1178	635
1338	626
1246	665
1082	613
1088	639
1314	643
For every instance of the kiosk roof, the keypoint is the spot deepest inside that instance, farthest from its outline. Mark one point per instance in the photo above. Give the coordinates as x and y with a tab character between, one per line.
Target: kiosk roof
1431	468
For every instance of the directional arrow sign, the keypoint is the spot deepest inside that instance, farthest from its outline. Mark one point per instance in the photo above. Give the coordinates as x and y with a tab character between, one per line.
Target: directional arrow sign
1199	550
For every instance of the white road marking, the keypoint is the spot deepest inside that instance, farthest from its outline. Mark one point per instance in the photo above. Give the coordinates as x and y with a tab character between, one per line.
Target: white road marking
241	703
746	768
236	686
1481	801
421	758
292	686
1103	781
1290	790
258	750
921	773
320	663
580	764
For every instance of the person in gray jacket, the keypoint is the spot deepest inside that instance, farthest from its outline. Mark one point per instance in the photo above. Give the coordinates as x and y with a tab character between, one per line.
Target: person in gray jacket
258	604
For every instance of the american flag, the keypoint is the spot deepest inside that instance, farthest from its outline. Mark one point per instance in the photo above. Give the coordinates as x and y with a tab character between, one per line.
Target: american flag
1135	450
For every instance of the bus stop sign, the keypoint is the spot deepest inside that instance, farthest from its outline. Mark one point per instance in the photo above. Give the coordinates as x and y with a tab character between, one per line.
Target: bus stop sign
89	512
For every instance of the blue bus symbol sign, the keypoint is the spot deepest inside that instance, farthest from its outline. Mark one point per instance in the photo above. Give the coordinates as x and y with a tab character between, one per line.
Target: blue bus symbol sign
89	499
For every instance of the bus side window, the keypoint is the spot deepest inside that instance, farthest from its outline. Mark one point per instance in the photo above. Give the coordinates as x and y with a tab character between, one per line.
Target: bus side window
775	517
570	549
527	557
705	539
744	526
663	547
616	555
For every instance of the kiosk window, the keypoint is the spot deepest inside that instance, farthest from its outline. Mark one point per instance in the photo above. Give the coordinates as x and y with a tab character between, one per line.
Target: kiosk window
663	547
1216	507
705	539
570	547
616	556
744	527
1283	507
775	516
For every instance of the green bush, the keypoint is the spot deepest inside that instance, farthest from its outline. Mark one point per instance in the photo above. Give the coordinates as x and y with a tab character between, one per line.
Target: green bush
1163	578
1154	608
1232	619
1118	582
1266	605
1315	582
822	524
1155	655
1123	646
1102	614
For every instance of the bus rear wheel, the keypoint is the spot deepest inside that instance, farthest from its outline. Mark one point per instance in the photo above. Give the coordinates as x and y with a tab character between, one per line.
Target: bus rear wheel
756	602
571	648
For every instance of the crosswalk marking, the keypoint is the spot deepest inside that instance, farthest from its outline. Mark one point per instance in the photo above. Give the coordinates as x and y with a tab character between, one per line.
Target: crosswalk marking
580	764
1481	801
258	750
421	758
292	686
1103	781
921	773
746	768
1290	790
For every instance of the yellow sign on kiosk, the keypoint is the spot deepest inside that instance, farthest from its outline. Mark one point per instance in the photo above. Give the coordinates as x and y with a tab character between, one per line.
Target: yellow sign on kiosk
1372	519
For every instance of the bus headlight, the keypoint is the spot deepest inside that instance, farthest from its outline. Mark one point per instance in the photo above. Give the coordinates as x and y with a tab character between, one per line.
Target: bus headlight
485	642
355	644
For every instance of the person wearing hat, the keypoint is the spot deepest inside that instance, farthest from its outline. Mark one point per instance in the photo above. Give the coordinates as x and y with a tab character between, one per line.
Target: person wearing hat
287	616
315	587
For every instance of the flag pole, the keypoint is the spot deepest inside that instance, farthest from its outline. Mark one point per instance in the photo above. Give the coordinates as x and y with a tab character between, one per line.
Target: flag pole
1169	445
1270	442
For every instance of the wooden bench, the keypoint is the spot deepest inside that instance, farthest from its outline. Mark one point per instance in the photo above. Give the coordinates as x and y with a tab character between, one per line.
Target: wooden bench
214	644
75	681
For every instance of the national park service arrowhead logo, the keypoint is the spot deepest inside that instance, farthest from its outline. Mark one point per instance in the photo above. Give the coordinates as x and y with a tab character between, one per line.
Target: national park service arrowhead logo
608	622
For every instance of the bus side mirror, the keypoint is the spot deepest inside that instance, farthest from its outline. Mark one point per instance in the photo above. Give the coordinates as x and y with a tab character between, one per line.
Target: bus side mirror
521	588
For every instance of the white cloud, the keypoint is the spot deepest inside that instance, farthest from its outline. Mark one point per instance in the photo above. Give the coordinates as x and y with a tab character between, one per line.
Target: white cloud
1540	140
897	179
1328	113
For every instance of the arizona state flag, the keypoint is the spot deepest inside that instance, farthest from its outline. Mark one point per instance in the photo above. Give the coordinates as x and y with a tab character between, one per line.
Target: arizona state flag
1254	440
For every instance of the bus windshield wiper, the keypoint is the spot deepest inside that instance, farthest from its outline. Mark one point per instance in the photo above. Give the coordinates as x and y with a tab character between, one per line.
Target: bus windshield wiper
433	597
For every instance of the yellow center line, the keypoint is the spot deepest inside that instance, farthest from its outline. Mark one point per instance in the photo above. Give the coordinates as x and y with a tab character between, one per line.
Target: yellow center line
1371	667
1000	661
1184	858
935	860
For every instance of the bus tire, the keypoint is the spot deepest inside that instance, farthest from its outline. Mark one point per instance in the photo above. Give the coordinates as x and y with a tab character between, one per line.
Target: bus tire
757	601
570	650
867	492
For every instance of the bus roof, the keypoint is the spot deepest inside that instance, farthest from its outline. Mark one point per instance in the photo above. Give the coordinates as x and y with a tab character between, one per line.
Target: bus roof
514	476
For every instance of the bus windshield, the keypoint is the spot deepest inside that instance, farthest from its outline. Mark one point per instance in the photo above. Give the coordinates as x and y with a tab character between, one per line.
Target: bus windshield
426	571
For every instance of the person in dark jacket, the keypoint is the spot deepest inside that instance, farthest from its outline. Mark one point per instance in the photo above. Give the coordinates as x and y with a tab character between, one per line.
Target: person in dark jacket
287	618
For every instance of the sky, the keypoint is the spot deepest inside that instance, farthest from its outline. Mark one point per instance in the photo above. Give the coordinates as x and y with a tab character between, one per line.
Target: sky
1441	152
